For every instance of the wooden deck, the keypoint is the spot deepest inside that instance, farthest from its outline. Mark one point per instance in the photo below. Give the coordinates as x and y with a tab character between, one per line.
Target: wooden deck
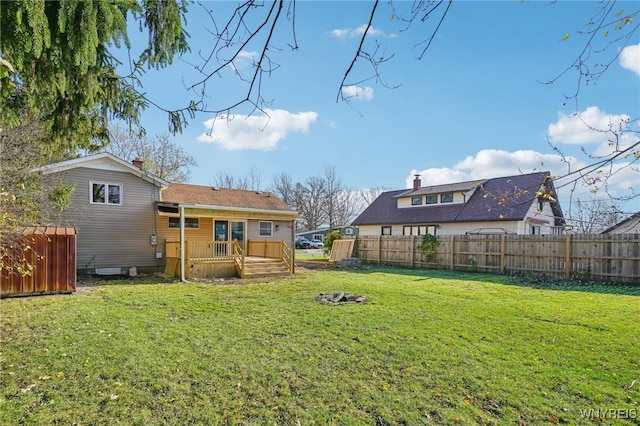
217	259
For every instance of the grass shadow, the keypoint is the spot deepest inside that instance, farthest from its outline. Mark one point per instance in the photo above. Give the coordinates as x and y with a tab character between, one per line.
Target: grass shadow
537	281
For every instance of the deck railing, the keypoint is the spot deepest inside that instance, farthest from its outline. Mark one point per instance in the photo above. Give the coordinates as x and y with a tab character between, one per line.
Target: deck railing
198	252
238	258
272	250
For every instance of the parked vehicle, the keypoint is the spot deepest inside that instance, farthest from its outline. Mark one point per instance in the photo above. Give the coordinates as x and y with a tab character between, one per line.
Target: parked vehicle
302	243
317	244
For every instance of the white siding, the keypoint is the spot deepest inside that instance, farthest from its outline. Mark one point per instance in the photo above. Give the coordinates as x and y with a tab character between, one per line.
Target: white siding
283	233
451	228
112	236
458	198
543	218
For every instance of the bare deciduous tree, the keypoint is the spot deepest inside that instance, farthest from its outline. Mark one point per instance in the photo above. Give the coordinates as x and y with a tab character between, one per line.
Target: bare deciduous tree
310	203
593	216
283	186
161	157
250	181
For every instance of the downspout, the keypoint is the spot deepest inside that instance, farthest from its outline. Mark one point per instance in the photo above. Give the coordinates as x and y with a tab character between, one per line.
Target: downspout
182	244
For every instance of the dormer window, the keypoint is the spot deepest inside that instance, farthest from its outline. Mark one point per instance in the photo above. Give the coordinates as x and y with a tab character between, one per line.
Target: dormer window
416	201
432	199
446	197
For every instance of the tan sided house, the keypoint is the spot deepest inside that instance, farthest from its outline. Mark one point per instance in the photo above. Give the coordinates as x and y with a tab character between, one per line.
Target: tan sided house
129	220
521	204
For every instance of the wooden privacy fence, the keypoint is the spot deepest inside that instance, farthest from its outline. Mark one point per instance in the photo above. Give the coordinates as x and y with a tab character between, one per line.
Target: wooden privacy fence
48	253
584	256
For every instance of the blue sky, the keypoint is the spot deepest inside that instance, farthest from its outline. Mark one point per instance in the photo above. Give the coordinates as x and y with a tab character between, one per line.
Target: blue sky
473	107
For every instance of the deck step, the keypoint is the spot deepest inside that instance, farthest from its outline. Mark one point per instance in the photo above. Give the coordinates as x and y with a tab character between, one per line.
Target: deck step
265	267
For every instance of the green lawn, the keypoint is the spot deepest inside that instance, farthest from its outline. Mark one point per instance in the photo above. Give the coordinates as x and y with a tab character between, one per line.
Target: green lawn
429	348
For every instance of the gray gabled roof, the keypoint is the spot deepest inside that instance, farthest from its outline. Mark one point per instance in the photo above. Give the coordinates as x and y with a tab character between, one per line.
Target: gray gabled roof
624	222
497	199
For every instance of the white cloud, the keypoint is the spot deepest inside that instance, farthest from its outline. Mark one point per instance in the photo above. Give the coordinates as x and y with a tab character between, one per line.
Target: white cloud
489	163
589	126
358	93
243	58
593	126
344	33
256	132
630	58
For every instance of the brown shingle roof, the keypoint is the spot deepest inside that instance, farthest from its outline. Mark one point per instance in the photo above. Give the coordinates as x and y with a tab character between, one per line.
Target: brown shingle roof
181	193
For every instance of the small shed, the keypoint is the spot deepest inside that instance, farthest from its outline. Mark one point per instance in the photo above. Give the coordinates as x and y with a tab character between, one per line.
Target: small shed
49	252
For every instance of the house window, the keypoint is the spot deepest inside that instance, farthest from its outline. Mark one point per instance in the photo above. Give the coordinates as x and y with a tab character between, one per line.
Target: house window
556	230
416	201
105	193
414	230
189	222
432	199
418	230
318	237
447	197
266	229
386	230
534	229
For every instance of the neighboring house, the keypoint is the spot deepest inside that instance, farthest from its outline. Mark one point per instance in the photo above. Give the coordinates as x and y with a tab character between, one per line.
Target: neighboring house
521	204
125	216
319	234
630	225
316	234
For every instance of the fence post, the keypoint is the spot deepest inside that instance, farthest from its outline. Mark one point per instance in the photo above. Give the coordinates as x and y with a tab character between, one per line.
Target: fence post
379	248
187	258
413	244
503	254
451	261
567	256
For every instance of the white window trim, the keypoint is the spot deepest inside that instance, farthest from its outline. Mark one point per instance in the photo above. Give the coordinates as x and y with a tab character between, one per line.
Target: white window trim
185	223
106	195
270	234
447	193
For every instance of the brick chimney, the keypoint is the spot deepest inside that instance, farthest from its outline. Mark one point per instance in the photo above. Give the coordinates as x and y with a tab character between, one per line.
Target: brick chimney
138	162
416	182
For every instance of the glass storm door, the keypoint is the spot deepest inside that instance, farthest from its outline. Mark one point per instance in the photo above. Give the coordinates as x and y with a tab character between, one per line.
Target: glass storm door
237	233
220	234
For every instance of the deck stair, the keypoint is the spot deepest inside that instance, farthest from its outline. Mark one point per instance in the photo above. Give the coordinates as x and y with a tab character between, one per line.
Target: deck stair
263	267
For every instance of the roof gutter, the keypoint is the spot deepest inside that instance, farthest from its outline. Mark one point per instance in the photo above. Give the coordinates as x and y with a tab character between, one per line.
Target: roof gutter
182	206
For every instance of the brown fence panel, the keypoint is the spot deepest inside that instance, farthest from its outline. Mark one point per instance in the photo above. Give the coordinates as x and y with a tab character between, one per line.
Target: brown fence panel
50	254
595	257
